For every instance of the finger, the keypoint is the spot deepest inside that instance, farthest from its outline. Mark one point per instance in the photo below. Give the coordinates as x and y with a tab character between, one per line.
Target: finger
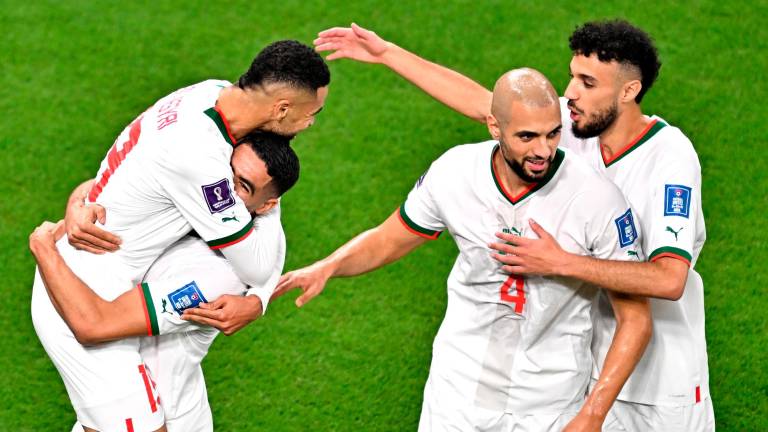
205	313
59	231
541	232
516	270
336	55
307	296
361	32
101	214
203	320
502	247
508	259
335	32
513	239
94	241
85	246
328	46
101	234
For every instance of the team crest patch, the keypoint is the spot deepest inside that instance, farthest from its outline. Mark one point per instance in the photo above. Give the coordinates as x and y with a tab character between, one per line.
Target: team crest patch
677	200
218	196
626	226
186	297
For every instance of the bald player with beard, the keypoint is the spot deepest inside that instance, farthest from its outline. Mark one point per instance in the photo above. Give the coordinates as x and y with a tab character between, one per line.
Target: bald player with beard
512	352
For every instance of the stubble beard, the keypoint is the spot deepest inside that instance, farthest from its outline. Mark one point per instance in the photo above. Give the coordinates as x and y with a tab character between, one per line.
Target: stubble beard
602	121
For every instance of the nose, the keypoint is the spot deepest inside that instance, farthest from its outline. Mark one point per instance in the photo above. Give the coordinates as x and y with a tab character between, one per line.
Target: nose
544	147
570	91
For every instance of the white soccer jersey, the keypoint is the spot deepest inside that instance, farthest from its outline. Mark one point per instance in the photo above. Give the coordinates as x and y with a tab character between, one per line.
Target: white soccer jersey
188	273
660	175
510	344
185	275
169	172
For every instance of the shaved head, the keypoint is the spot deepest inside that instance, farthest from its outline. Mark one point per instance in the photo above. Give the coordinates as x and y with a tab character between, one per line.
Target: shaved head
525	86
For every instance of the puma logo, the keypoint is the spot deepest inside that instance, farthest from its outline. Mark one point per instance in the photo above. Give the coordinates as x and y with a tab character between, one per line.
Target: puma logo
165	304
229	218
633	254
669	229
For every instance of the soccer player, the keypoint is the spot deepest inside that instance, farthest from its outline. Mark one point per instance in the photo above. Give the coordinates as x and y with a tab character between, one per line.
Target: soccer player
614	64
512	351
166	174
187	273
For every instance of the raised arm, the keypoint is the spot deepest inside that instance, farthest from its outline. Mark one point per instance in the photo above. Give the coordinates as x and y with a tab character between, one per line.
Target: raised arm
91	318
633	331
447	86
368	251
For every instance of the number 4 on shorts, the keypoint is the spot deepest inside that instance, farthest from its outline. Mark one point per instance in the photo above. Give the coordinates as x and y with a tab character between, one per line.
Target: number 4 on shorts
517	283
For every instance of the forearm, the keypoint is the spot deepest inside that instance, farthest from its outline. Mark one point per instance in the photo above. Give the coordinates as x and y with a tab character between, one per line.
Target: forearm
647	279
364	253
447	86
631	336
77	304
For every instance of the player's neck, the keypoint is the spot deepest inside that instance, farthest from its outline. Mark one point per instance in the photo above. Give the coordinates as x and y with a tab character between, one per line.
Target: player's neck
628	125
240	111
510	181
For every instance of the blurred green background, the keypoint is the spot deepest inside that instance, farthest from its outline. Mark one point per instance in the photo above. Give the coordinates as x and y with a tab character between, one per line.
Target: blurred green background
75	73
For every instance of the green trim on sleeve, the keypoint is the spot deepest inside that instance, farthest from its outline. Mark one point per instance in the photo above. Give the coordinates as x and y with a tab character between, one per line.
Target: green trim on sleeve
670	250
416	228
231	239
150	308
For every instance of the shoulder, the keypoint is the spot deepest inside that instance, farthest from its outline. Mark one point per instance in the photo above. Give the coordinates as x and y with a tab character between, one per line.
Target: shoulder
674	145
586	181
466	156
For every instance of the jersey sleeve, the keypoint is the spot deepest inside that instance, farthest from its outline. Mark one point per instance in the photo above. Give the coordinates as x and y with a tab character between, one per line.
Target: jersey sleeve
674	209
270	254
199	183
164	300
613	232
420	213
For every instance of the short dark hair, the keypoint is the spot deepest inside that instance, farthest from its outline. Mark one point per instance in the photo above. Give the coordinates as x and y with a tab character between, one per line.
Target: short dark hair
620	41
277	154
289	62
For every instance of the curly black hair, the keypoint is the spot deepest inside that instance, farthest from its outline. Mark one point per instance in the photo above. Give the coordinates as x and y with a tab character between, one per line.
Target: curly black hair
289	62
620	41
281	161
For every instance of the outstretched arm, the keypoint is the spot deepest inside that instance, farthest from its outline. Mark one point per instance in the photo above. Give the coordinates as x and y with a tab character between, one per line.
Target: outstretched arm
368	251
662	278
633	331
91	318
447	86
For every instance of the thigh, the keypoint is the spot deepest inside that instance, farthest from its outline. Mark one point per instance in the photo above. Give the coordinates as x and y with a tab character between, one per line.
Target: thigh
443	410
107	384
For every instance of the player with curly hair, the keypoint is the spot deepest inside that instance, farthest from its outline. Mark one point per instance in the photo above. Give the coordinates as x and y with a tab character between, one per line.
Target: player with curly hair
613	66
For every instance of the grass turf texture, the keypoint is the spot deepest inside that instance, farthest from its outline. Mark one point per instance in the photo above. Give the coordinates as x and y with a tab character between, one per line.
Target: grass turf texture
74	73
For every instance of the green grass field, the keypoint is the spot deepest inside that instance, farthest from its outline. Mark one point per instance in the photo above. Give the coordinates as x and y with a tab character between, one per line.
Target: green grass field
75	73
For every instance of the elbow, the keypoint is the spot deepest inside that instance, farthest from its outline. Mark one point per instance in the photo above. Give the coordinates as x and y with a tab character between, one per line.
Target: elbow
673	290
88	334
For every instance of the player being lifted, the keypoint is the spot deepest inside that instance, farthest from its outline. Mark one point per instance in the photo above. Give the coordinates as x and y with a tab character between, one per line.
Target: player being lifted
186	273
614	64
167	173
512	352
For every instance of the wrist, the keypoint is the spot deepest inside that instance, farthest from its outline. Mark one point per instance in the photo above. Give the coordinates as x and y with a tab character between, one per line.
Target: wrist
569	266
389	56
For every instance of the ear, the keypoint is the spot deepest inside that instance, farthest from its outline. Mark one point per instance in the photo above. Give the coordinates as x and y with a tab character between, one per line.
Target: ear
630	90
280	109
268	205
493	126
